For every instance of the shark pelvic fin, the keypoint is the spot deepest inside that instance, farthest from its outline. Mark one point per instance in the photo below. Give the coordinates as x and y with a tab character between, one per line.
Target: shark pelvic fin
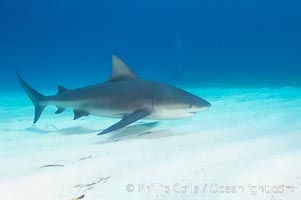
61	89
120	70
60	110
79	114
126	120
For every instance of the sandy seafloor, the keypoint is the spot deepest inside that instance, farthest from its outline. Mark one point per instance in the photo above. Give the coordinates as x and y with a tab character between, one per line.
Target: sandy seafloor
246	146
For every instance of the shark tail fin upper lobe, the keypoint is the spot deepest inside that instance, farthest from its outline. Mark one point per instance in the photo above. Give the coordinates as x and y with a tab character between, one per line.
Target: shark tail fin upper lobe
36	98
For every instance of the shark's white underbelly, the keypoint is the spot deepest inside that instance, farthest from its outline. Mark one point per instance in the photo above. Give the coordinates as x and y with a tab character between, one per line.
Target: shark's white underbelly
156	113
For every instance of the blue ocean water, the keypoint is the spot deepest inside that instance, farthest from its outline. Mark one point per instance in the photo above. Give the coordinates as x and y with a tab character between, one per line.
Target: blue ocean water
243	56
191	42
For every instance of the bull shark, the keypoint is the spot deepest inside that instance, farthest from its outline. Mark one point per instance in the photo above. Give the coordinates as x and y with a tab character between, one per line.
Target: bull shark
124	95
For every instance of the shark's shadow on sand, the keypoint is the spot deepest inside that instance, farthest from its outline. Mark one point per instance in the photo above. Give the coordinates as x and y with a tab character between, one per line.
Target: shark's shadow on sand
136	130
131	131
53	129
140	130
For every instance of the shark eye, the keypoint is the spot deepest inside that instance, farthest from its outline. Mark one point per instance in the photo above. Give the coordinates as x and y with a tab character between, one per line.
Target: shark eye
190	105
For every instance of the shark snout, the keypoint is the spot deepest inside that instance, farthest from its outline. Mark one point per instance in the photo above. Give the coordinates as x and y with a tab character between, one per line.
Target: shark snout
205	104
199	104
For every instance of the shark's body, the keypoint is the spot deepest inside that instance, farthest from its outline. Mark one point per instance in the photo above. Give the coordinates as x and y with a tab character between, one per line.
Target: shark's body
124	96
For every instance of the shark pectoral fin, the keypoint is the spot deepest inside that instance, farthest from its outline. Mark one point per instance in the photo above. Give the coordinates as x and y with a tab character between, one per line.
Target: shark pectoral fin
79	114
60	110
126	120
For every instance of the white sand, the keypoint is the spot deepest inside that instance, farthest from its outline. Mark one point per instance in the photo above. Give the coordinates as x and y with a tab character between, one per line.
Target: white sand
246	146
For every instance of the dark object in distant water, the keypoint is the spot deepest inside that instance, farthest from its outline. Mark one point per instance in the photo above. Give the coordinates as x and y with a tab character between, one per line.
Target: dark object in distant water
176	74
124	96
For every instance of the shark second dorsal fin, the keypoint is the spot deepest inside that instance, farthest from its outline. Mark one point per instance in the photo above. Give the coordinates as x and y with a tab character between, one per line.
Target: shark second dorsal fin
120	70
61	89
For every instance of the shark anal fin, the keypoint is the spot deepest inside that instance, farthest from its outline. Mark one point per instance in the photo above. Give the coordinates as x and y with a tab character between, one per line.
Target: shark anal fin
79	114
60	110
61	89
126	120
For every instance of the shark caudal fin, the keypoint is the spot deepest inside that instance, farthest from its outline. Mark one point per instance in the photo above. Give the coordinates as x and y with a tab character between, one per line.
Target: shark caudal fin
36	98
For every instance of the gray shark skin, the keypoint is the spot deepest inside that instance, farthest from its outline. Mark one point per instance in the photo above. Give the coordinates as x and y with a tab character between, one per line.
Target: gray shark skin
124	96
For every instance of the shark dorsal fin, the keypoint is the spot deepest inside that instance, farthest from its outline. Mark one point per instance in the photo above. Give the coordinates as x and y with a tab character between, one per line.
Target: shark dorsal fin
120	70
61	89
